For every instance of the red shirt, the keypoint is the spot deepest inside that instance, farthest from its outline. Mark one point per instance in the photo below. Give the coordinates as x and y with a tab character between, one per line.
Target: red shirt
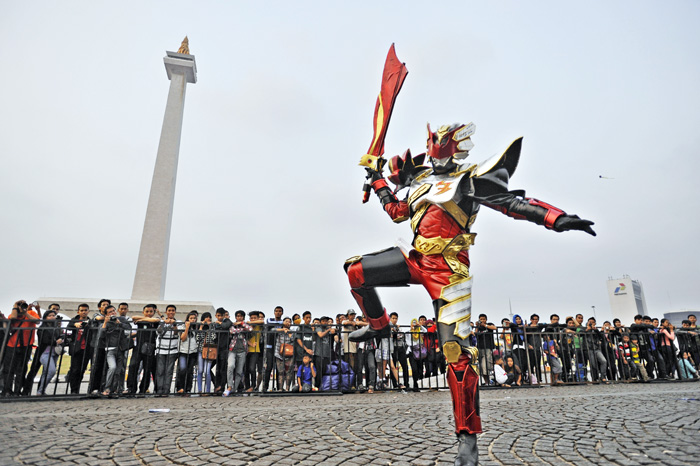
17	325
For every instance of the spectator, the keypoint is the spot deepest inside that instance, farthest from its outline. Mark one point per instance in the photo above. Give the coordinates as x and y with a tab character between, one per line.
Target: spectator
125	345
534	345
254	359
502	377
167	348
39	353
519	346
187	354
305	374
98	350
513	370
339	338
112	333
504	341
609	348
350	347
667	336
50	341
551	350
417	352
237	351
484	343
78	347
221	327
574	350
144	354
686	369
272	326
367	362
323	338
594	342
284	355
382	355
637	358
687	340
628	369
400	348
23	320
206	345
303	339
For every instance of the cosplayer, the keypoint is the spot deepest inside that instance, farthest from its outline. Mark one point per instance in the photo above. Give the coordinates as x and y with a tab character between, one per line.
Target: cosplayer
441	205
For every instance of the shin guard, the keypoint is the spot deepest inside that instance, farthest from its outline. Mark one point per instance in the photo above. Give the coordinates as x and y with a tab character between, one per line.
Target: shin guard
463	381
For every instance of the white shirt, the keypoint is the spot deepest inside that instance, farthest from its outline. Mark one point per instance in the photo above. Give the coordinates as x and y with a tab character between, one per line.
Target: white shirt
501	375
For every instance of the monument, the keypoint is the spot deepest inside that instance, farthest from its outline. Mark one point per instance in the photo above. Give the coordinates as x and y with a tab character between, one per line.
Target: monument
149	282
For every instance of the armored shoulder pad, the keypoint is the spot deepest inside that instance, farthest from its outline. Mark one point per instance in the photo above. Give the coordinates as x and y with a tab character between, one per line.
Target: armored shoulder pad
508	160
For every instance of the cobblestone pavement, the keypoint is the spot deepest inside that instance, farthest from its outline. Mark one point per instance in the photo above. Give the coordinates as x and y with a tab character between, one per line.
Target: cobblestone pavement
616	424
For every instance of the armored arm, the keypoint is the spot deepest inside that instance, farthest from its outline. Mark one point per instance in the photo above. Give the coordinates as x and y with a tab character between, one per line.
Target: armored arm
397	210
491	190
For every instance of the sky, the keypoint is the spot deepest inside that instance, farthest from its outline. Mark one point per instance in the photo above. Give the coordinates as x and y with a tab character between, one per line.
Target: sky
268	197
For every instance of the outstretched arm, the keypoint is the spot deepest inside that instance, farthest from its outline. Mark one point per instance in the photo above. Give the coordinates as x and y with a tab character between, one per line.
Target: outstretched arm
491	191
397	210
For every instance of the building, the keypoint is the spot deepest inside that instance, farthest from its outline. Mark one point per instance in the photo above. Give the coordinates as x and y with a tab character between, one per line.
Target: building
626	299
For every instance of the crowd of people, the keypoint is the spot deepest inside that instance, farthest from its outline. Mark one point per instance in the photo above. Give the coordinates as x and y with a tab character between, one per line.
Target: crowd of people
156	353
522	352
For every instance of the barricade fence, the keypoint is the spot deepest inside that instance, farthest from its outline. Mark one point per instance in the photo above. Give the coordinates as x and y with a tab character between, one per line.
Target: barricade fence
120	357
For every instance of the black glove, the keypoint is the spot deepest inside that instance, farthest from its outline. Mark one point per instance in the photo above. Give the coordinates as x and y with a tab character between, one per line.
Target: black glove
373	175
573	222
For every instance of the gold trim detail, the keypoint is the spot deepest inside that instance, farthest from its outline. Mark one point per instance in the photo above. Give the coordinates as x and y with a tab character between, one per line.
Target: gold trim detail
452	351
418	193
472	219
418	215
430	246
425	174
353	260
459	243
458	214
400	219
474	354
369	161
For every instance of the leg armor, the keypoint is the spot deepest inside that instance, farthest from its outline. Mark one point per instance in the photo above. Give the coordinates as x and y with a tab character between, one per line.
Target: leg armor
383	268
463	381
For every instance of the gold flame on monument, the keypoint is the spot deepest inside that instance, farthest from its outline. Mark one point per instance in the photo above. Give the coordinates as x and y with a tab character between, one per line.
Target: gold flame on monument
184	47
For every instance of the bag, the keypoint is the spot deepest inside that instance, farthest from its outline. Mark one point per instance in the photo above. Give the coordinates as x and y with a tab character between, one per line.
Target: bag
58	350
420	352
147	348
287	350
209	352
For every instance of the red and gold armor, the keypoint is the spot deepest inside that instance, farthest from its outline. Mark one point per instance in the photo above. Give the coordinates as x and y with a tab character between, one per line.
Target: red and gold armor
441	205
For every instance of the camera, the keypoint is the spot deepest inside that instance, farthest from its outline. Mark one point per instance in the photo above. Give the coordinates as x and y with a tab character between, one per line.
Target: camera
112	318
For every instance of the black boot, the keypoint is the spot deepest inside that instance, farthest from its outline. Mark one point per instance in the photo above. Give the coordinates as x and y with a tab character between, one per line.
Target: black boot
467	451
367	333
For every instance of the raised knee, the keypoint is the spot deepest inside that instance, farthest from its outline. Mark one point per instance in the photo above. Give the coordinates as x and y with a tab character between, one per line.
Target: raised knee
356	275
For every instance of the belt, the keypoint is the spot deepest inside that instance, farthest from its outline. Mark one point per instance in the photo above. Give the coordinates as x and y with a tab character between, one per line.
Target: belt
448	247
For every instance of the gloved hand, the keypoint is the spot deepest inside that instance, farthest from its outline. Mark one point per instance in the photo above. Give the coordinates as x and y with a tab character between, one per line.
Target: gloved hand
373	175
573	222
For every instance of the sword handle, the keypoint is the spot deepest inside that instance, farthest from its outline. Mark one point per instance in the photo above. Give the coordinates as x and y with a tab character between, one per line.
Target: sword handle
366	190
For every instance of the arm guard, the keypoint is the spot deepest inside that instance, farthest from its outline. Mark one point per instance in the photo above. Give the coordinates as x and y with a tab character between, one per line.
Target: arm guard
491	189
397	210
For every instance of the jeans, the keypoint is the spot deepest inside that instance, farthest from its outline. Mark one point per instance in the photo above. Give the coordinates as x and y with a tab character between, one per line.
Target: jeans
236	362
113	357
204	369
48	363
599	365
164	372
185	370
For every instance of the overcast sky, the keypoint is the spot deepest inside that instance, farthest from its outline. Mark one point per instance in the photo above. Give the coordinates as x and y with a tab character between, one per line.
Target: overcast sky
267	206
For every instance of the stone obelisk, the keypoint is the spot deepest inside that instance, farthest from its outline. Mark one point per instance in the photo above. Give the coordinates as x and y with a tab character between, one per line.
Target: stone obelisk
149	283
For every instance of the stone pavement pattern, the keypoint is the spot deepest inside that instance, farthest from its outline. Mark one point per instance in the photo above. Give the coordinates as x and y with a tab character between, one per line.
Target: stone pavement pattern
617	424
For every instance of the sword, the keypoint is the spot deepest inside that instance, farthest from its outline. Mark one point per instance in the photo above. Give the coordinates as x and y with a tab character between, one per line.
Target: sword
392	79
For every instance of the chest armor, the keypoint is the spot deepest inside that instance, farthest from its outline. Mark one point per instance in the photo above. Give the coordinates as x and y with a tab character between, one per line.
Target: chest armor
449	191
